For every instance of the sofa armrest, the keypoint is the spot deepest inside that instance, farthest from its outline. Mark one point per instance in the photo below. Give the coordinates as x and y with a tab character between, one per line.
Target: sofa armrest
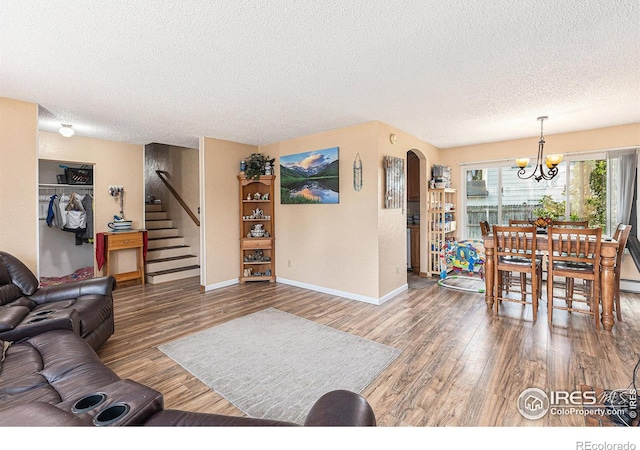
11	316
336	408
341	408
36	323
39	414
93	286
121	403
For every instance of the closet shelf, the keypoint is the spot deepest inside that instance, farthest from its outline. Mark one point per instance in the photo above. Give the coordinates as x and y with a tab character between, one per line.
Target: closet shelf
73	186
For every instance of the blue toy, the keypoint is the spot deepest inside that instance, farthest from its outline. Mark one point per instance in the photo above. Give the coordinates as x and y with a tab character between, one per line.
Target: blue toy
466	260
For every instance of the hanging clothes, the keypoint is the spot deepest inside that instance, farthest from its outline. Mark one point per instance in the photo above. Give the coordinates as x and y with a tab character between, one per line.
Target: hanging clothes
51	210
61	211
87	204
75	217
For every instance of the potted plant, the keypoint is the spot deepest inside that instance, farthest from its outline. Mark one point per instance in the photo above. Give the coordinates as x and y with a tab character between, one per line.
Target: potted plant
257	165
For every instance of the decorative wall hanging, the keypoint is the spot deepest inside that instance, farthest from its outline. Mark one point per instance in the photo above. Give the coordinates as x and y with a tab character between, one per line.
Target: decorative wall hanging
118	191
394	182
310	177
357	173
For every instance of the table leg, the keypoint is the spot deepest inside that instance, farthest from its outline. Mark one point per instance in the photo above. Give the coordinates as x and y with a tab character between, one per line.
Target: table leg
106	271
488	276
140	264
607	284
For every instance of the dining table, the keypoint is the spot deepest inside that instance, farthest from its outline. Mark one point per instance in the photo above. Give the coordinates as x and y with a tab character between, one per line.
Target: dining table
608	252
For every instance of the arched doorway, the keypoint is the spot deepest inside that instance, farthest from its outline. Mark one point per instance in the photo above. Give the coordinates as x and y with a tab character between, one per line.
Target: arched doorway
417	185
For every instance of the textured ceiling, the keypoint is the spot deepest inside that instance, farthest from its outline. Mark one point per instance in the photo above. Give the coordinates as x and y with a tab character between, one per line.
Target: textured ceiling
448	72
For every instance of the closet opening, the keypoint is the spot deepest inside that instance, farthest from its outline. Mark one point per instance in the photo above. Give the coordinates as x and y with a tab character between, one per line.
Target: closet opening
65	222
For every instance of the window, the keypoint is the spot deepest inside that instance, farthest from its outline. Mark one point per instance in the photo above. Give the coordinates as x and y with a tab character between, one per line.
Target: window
587	187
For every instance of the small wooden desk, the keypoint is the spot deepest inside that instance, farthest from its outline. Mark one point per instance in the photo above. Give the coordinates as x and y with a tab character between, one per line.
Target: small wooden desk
124	240
608	252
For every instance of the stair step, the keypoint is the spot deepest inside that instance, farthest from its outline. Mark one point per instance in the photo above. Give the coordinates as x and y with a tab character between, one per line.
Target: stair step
153	207
167	252
167	241
173	274
155	224
162	232
175	262
156	215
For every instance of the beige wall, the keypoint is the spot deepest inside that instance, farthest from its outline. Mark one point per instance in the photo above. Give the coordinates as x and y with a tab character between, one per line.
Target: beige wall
581	141
19	180
186	181
392	223
332	246
115	163
355	248
219	216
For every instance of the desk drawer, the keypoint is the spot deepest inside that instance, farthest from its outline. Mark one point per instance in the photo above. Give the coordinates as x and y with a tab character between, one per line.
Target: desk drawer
256	243
124	240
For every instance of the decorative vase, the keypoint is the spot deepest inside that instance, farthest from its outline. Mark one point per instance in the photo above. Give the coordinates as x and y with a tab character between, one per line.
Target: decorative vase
257	230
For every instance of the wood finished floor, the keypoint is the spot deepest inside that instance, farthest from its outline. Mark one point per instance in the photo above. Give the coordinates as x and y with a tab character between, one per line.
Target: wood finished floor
460	365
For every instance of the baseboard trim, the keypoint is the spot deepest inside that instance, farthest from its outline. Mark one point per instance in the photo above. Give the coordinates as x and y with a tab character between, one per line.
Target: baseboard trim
222	284
630	286
347	295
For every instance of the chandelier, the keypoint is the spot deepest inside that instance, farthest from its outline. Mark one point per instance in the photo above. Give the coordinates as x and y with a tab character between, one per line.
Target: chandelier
551	162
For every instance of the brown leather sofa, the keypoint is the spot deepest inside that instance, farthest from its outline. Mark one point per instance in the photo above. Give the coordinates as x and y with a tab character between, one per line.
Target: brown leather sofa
56	379
26	309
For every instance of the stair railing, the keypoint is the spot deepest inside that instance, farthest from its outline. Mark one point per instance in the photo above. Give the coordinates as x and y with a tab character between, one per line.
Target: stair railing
162	174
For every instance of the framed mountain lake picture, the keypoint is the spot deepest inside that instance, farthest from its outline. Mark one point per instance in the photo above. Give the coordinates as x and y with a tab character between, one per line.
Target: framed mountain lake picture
310	177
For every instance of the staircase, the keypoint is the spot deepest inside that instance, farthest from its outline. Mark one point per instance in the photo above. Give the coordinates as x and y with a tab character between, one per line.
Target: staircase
168	257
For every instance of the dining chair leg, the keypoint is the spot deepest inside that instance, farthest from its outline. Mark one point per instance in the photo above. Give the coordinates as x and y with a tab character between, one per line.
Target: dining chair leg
569	292
523	286
549	299
498	278
534	295
616	300
595	302
507	281
539	282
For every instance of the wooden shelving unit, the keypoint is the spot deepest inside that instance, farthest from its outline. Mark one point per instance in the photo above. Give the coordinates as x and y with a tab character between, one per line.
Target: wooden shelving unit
257	252
441	220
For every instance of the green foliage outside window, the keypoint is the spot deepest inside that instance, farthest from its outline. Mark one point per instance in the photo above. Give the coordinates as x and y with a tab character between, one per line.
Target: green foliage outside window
594	204
597	202
549	208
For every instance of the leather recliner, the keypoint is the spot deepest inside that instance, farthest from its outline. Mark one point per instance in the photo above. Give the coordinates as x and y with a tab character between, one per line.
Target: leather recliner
56	379
84	306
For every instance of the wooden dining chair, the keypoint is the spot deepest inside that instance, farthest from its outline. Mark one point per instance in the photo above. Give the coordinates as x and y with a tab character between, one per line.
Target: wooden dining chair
507	279
485	228
621	236
570	223
515	251
527	223
518	222
574	253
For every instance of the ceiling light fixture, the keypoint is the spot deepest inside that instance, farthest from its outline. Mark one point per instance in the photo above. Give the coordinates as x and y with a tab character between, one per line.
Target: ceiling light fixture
66	130
551	162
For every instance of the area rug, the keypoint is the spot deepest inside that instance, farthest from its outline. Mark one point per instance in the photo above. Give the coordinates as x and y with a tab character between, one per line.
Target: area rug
275	365
81	274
